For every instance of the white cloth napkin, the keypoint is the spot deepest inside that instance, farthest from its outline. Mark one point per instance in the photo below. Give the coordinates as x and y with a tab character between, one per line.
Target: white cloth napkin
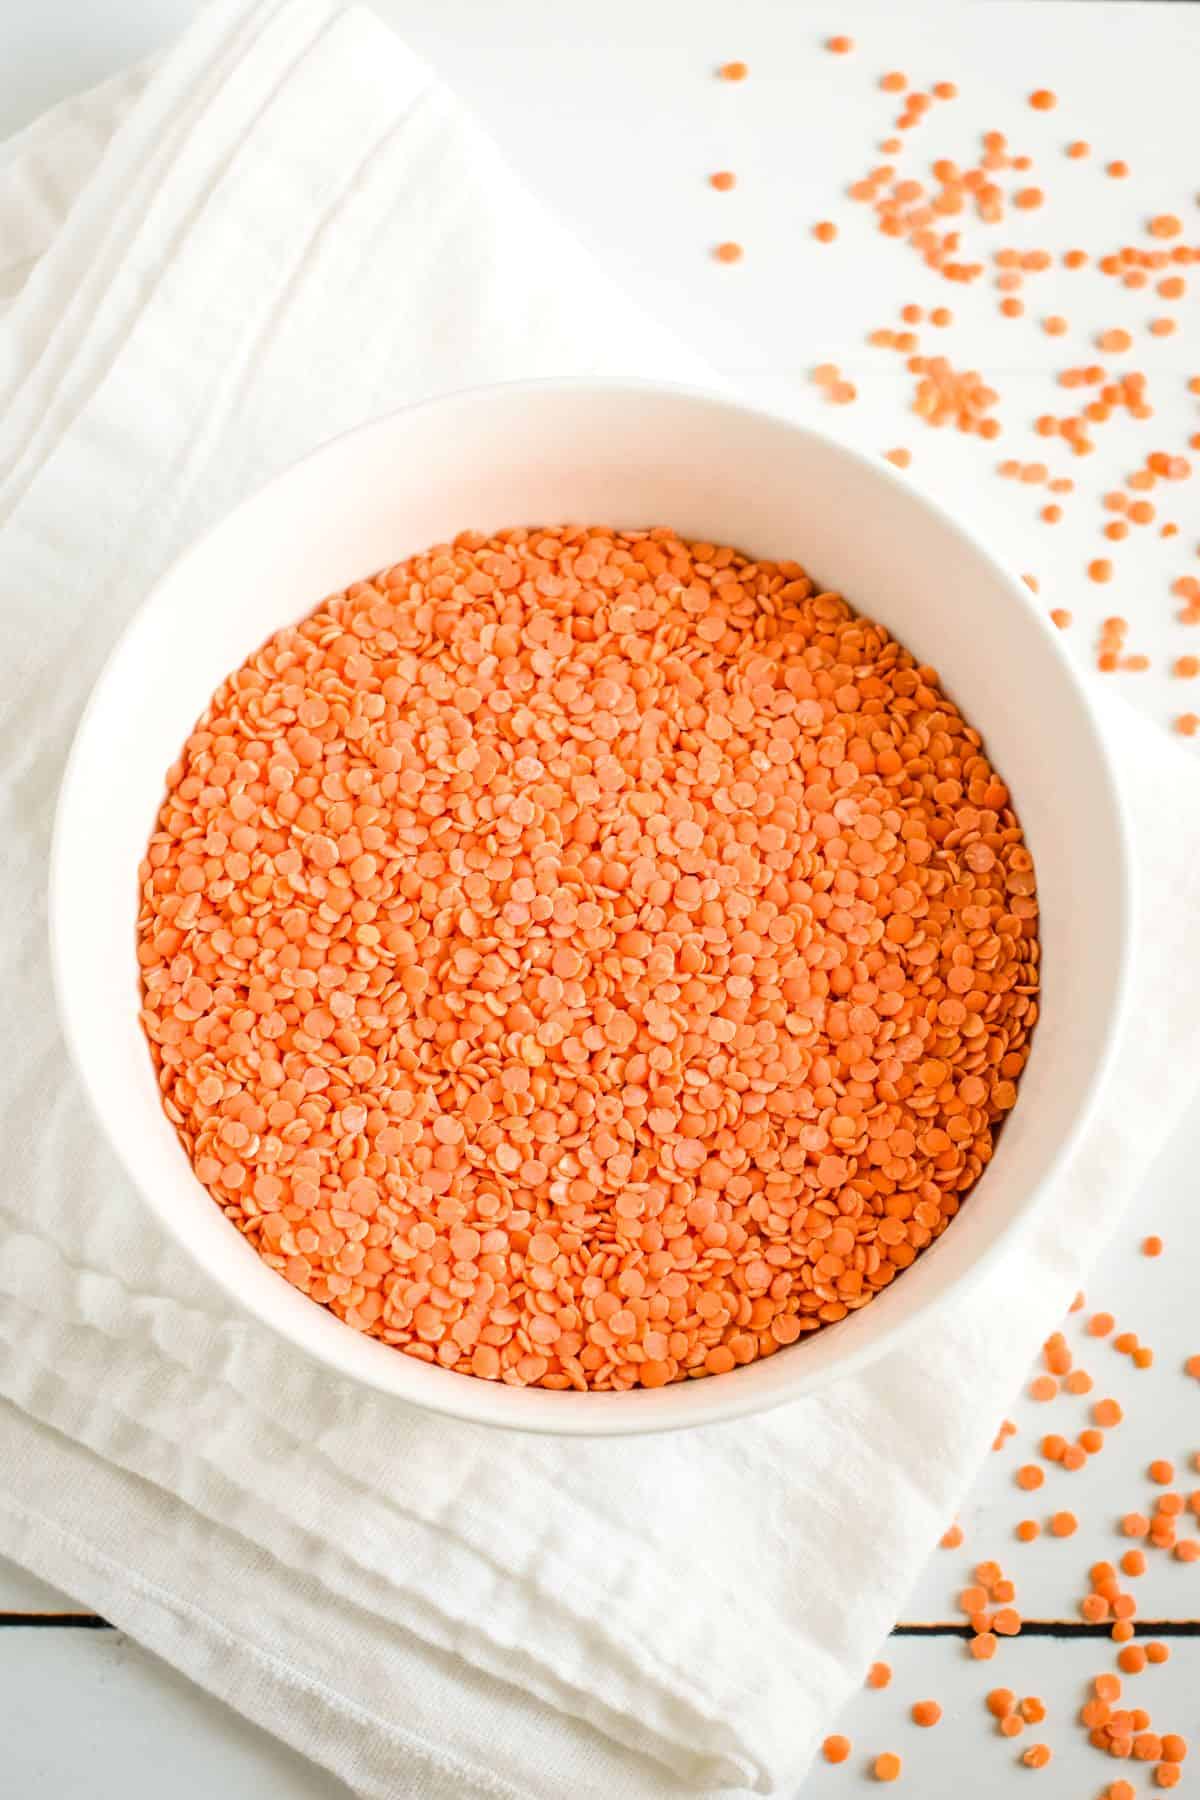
205	268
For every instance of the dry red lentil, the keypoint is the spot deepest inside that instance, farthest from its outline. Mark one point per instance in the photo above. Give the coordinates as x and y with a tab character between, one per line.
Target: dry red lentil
541	1046
879	1675
723	180
926	1712
886	1767
836	1748
841	46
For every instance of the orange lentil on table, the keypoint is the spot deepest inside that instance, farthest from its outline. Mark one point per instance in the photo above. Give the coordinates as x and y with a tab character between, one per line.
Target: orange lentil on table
841	46
723	180
1037	1756
886	1767
836	1748
926	1712
733	71
825	231
879	1675
551	1045
729	252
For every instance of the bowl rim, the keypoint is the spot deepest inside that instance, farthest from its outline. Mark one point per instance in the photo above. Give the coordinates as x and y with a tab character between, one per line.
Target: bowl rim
716	1398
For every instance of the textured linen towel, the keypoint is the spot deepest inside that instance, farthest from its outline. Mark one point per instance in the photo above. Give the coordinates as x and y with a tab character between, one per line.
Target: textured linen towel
285	227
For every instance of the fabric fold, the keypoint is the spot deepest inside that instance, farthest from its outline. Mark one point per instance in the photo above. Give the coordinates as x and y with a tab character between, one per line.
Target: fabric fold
282	228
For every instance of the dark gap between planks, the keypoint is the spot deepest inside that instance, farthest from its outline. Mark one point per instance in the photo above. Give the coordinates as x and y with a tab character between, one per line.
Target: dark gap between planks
1061	1628
1045	1628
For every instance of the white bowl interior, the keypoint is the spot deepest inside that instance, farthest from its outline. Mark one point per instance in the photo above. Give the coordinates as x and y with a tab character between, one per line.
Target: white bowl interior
623	455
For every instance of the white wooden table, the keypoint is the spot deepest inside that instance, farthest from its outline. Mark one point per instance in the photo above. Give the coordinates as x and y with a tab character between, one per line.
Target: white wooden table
613	114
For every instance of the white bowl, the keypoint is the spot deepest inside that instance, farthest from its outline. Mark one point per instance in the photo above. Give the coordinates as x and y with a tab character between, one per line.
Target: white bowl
623	454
